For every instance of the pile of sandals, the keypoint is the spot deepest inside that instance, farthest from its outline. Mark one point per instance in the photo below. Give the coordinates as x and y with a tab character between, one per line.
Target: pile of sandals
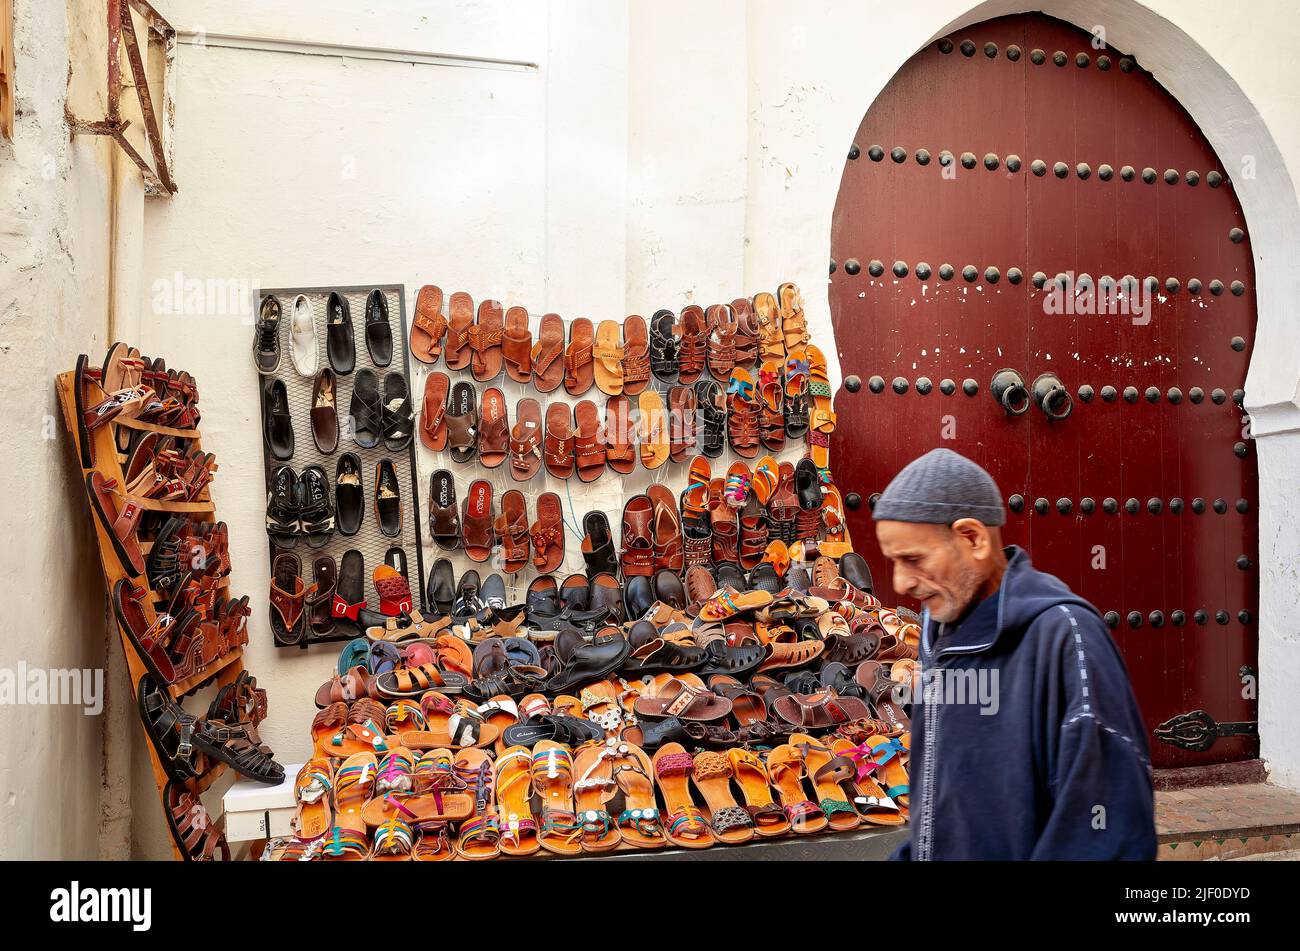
745	713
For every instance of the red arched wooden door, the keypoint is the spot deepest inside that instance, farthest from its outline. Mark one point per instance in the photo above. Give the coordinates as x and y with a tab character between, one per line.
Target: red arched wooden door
996	160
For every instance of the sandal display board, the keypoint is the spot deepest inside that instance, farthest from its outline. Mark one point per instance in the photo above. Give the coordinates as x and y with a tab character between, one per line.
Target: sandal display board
338	428
165	559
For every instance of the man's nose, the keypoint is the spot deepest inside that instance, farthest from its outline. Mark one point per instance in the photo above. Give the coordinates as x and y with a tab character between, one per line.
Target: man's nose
903	579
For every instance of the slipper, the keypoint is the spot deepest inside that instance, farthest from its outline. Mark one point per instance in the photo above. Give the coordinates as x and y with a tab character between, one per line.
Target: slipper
664	346
764	480
514	786
460	311
349	593
444	514
666	528
637	554
856	782
320	615
751	776
796	394
636	359
821	421
289	594
727	603
485	338
652	430
771	397
494	429
480	835
433	413
608	355
588	441
682	422
747	705
311	791
598	545
746	332
685	824
548	354
367	409
476	521
794	328
808	490
393	589
785	767
547	534
594	786
379	332
340	343
633	774
679	698
512	531
620	448
721	355
558	440
517	346
730	822
428	326
526	440
579	370
767	319
462	422
397	414
692	351
742	414
119	517
552	773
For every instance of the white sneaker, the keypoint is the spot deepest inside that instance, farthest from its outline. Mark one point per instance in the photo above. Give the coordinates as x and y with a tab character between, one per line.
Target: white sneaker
302	337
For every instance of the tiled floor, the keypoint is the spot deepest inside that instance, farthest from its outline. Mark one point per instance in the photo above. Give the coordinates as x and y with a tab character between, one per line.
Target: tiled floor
1226	822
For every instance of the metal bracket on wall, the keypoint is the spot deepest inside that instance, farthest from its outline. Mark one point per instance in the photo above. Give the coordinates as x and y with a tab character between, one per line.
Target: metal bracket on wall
1198	731
156	106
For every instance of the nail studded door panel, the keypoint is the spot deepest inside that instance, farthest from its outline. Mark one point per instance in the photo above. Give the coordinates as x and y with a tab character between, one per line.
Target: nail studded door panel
997	161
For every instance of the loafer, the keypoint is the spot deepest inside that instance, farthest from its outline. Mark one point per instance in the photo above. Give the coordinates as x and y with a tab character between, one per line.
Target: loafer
638	596
349	494
388	499
302	337
854	570
592	661
379	332
606	595
340	344
266	336
277	424
324	411
441	590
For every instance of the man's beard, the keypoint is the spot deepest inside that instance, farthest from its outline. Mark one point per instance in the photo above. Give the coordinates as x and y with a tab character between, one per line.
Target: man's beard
959	596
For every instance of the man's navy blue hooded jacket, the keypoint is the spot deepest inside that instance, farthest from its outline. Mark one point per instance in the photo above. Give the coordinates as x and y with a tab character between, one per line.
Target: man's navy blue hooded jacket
1061	770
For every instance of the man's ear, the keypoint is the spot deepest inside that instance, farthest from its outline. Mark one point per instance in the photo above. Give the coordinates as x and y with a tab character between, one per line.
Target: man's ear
974	534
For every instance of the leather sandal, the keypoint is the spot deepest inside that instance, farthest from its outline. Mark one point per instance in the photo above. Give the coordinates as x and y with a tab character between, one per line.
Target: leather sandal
664	346
652	429
598	545
684	822
608	355
460	318
771	398
796	370
428	326
721	353
666	529
712	773
636	355
637	556
119	517
742	414
433	412
196	835
558	440
620	447
724	525
444	513
462	422
547	534
526	440
548	354
692	351
827	773
712	417
485	337
579	368
746	332
589	441
512	531
517	346
794	327
494	429
476	521
682	422
783	506
685	701
767	319
821	421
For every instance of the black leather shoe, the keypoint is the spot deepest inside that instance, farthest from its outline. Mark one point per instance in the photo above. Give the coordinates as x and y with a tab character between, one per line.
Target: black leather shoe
379	334
388	499
266	336
542	600
598	545
592	661
349	494
669	590
340	344
441	590
277	424
562	729
854	570
638	596
668	658
656	734
606	595
720	658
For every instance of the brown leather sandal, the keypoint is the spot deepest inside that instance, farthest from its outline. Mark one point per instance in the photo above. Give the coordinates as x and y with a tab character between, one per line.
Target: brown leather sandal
682	405
746	332
460	310
428	326
548	354
526	440
692	351
462	422
512	531
666	529
485	338
721	354
794	327
517	345
548	534
620	448
636	355
558	442
608	357
579	366
726	528
589	442
652	432
433	413
476	521
494	429
767	319
771	406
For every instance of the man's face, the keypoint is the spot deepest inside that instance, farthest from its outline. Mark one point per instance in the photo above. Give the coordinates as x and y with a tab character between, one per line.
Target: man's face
934	564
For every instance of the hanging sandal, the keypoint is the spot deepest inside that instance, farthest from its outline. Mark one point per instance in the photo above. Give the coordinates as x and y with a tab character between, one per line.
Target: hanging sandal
579	368
652	431
526	441
558	441
485	337
608	356
548	355
460	318
428	325
771	395
721	355
636	359
588	442
512	531
664	346
620	451
692	352
767	319
547	534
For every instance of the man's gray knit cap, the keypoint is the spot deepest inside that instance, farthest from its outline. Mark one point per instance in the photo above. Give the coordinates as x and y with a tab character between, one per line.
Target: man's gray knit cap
938	489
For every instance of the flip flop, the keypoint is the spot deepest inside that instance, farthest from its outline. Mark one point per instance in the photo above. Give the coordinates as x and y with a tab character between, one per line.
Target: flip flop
685	824
462	422
526	440
594	786
785	767
433	413
476	521
579	369
827	775
547	534
636	359
751	776
517	346
428	326
652	432
588	441
608	355
514	788
548	354
552	773
494	429
729	822
620	448
485	338
558	440
460	310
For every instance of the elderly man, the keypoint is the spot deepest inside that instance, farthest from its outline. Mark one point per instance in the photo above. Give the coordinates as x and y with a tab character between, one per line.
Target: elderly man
1026	739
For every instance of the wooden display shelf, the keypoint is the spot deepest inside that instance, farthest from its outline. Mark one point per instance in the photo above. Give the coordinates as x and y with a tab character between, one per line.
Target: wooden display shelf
109	462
